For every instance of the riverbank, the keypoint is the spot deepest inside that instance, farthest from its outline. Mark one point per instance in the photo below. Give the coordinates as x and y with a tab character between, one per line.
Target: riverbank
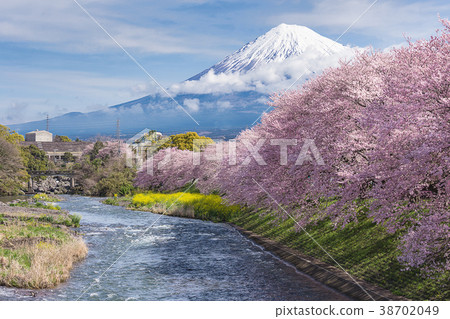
181	204
324	273
37	246
364	249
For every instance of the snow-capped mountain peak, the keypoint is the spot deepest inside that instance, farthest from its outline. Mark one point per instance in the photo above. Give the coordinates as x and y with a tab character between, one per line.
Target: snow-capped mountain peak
278	44
226	100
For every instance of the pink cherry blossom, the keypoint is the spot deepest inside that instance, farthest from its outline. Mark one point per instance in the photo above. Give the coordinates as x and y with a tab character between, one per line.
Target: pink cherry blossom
382	125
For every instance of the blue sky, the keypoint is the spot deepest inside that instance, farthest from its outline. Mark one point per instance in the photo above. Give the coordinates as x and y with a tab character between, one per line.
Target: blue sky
54	59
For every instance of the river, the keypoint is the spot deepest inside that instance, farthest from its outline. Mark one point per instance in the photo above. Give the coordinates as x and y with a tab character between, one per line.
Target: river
176	259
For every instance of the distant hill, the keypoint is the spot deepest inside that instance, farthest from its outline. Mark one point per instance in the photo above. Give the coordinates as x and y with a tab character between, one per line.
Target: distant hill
223	99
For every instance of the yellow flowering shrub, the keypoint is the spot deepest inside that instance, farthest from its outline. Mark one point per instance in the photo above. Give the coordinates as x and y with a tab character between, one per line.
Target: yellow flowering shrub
210	207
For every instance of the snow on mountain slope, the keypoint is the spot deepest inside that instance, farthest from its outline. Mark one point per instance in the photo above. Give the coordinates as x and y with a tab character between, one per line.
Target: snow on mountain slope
280	43
230	95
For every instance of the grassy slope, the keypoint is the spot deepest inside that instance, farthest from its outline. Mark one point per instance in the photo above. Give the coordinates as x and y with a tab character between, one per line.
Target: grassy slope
35	252
364	249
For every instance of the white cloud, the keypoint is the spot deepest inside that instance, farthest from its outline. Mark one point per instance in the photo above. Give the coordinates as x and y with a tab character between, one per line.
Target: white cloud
134	109
172	26
386	20
262	100
56	92
23	109
62	26
193	105
272	77
212	83
142	89
224	105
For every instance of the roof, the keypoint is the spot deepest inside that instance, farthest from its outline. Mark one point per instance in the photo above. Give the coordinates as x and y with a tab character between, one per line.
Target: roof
39	131
49	147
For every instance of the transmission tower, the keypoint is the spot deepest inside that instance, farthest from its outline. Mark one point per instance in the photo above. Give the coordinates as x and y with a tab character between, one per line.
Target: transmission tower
118	135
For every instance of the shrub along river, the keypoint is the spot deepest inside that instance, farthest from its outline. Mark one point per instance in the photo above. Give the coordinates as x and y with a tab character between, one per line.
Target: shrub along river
176	259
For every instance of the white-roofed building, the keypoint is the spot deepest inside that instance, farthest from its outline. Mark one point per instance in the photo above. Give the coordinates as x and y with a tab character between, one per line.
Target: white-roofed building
39	136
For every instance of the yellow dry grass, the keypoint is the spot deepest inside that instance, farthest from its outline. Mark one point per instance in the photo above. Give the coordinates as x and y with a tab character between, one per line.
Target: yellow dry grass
49	263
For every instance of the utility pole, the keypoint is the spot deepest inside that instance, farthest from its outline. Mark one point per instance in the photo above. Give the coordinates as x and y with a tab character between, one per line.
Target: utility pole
118	135
47	124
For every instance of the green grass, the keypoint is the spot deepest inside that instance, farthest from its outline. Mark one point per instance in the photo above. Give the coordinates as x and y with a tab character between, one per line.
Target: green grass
118	201
46	198
36	205
62	219
32	229
20	256
45	218
111	201
364	249
75	219
67	220
36	253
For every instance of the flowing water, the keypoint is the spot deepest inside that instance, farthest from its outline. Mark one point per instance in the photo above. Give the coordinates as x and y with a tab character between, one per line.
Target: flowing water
175	259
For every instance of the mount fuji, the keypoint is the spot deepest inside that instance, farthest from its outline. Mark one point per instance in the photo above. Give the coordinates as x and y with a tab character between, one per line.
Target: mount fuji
280	43
219	101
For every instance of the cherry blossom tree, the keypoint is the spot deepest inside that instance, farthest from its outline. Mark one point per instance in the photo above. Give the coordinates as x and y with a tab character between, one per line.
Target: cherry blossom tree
381	123
167	170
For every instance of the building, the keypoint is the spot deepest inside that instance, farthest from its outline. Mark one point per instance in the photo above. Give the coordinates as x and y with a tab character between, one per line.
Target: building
143	144
43	140
39	136
56	150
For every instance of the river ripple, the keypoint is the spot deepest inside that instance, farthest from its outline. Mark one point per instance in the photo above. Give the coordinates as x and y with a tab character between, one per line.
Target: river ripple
176	259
